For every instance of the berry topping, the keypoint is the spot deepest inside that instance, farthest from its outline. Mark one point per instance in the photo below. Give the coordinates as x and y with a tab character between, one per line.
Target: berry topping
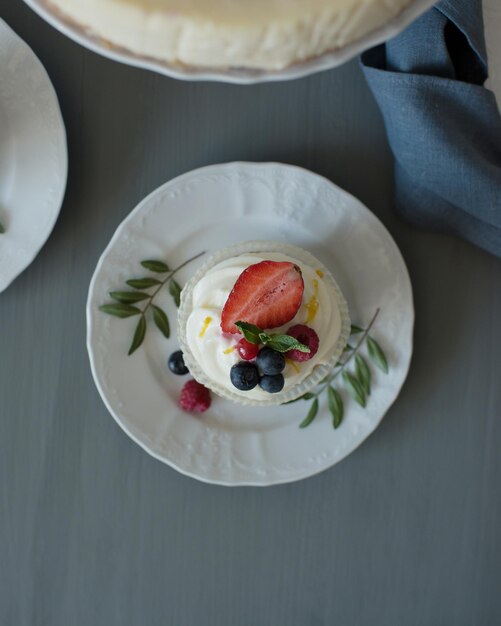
194	397
244	376
270	362
267	294
247	350
176	363
272	384
307	336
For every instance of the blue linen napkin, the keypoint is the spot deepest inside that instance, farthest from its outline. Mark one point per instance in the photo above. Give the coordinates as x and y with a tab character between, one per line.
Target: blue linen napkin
443	126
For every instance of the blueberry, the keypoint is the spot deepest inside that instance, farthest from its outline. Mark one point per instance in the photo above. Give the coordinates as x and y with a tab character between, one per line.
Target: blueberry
176	363
244	376
272	384
270	362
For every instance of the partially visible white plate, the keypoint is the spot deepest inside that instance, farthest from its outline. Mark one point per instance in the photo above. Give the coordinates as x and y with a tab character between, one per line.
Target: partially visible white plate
208	209
33	155
492	22
233	75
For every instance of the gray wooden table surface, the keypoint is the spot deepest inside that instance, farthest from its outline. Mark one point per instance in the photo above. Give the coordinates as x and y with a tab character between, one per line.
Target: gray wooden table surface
405	531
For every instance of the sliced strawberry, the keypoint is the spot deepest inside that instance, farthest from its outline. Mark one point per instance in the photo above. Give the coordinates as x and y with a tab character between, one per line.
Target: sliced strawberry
266	294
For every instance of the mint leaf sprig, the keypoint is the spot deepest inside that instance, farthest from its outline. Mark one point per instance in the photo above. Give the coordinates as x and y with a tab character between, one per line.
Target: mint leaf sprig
357	383
125	304
279	343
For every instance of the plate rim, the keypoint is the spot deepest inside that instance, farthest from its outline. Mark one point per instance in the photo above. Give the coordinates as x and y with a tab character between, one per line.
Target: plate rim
116	235
323	62
62	142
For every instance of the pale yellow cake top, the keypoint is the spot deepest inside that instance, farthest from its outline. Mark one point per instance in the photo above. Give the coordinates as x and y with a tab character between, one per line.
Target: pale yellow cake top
265	34
241	11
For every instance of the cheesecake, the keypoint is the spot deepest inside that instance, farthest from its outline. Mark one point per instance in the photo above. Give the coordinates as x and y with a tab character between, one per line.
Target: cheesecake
222	34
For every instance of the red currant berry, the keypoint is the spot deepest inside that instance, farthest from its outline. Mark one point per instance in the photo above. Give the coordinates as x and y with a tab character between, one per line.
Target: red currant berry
247	350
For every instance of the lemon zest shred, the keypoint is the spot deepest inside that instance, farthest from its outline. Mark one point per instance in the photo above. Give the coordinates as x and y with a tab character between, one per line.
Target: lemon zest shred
294	365
207	321
313	304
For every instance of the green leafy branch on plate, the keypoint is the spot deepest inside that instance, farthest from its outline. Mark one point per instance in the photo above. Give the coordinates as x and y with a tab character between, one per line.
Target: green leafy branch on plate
145	291
357	381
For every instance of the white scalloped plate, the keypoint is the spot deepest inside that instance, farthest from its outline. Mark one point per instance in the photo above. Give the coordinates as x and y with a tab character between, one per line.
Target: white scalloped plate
33	155
209	209
233	75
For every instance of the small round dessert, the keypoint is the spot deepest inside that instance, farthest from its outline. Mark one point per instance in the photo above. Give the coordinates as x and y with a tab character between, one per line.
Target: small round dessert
273	287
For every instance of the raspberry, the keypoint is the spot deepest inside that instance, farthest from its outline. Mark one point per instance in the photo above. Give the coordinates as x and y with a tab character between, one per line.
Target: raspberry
308	337
247	350
194	397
